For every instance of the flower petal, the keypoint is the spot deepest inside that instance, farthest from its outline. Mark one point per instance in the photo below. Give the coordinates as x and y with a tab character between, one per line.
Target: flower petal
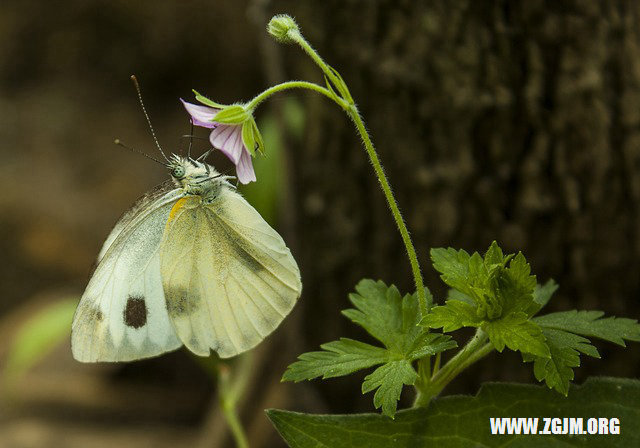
244	168
201	115
228	139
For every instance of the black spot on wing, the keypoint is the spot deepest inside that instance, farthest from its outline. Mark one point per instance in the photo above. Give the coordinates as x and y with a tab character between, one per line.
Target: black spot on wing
135	312
178	301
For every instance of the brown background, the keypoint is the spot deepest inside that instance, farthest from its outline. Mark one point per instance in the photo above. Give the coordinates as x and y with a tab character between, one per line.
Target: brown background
515	121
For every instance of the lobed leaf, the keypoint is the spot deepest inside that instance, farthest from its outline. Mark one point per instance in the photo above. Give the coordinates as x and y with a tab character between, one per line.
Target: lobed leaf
338	358
391	319
517	332
591	323
389	380
542	294
453	315
564	348
379	311
453	266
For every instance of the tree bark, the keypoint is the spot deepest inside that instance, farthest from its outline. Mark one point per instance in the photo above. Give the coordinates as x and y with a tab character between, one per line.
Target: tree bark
513	121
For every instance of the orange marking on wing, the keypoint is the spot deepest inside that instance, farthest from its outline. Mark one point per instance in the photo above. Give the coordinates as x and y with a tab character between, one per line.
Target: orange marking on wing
176	208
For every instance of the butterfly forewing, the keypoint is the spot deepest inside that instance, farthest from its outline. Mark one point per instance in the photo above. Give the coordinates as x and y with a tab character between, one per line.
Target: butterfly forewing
228	277
122	314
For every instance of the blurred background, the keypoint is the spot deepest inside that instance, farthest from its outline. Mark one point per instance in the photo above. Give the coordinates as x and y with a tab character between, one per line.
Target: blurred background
514	121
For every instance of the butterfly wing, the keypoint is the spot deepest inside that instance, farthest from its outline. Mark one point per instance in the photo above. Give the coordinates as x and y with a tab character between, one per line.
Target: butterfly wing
122	314
228	277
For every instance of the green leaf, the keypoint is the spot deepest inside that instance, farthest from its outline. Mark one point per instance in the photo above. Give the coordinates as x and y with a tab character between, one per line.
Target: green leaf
453	266
453	315
234	114
338	358
389	380
498	285
391	319
591	323
542	294
379	311
562	331
494	255
565	349
516	285
37	337
454	294
428	344
517	332
463	421
206	101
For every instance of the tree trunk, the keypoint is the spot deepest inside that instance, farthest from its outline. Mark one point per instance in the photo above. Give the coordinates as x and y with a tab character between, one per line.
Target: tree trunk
517	122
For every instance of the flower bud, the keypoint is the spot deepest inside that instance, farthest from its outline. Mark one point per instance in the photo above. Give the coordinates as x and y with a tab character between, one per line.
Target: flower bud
281	26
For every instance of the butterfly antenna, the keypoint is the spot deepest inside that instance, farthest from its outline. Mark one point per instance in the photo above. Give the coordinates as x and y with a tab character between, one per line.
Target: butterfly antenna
144	109
192	137
204	155
119	143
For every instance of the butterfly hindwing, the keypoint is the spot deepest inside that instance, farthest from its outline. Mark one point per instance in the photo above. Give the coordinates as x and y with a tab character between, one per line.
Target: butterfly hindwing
228	277
122	314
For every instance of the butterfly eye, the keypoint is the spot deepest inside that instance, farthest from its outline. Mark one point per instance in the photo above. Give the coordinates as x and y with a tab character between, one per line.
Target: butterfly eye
178	172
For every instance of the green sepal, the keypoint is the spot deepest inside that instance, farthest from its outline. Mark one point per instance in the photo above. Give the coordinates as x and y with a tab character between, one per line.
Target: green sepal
207	102
341	86
257	137
234	114
247	137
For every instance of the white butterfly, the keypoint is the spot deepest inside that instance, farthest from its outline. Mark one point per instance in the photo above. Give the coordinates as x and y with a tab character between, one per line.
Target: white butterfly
191	263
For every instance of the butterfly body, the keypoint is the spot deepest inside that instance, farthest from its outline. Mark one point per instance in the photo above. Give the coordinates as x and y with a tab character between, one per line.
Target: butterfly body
192	263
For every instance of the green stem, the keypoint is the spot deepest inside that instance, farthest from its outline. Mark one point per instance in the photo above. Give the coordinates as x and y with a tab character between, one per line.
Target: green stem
476	349
296	36
350	108
286	86
393	205
231	386
236	427
436	364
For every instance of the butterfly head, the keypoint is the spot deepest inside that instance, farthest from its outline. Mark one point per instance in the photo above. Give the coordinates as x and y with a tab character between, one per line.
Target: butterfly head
195	177
177	167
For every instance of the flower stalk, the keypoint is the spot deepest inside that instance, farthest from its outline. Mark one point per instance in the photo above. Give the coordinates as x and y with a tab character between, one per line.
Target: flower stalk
285	29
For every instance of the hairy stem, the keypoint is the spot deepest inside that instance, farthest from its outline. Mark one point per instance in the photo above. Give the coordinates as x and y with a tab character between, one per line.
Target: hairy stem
346	102
287	86
393	205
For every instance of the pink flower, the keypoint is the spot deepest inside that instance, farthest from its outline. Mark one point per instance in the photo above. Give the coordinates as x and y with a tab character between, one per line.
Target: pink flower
225	137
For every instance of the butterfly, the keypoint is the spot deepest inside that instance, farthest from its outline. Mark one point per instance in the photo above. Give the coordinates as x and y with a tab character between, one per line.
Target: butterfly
191	263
